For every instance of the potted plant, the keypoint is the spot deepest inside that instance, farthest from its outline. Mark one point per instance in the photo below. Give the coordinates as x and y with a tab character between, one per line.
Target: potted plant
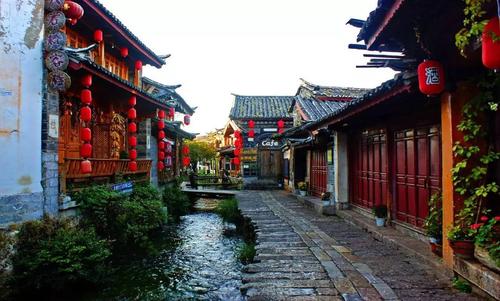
302	186
461	238
380	212
434	222
487	249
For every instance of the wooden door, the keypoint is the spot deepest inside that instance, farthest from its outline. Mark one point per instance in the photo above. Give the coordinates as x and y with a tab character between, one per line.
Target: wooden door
319	170
101	141
417	161
270	164
368	168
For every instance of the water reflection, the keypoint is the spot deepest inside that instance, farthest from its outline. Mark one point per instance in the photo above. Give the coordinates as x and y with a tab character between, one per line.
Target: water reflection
197	262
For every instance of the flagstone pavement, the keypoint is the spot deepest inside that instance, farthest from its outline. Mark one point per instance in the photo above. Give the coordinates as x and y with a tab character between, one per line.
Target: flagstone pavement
304	256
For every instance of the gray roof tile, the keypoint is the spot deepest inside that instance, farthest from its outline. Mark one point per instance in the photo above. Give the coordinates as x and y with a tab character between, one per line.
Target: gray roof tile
266	107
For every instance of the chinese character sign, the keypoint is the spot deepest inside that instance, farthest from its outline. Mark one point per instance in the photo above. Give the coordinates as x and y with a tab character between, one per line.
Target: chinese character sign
431	80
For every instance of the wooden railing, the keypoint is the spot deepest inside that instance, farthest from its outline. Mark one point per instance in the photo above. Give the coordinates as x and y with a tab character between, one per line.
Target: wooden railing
103	170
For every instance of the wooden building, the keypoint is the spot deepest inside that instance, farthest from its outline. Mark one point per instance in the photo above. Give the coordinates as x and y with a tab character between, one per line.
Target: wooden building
102	48
261	155
309	153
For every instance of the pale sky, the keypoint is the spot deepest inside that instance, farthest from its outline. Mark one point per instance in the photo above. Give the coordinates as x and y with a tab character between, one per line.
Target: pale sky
248	47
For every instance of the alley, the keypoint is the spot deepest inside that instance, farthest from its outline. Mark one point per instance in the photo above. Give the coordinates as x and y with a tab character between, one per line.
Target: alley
304	256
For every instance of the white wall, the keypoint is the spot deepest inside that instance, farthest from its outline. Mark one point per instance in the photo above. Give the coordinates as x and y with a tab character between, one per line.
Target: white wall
21	76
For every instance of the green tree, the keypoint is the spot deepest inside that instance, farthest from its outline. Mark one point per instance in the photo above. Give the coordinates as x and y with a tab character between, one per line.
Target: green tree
201	151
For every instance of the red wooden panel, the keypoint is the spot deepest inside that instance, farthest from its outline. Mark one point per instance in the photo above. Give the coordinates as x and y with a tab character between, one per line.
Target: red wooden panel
319	169
368	168
418	172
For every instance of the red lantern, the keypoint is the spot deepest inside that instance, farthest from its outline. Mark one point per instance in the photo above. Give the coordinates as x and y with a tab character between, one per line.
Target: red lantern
251	124
132	101
132	141
132	154
280	131
251	134
186	161
73	10
161	156
185	150
98	36
124	52
161	145
431	79
86	150
132	113
281	124
168	161
161	165
132	166
85	134
161	114
85	167
161	124
238	143
87	80
138	65
85	114
237	152
187	119
132	127
161	135
86	96
491	48
171	112
237	161
237	134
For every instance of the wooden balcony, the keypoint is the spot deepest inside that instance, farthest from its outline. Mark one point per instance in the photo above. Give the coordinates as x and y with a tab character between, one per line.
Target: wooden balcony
104	171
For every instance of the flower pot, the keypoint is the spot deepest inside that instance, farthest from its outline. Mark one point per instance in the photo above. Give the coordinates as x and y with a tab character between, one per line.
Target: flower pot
436	249
483	257
463	248
380	221
303	193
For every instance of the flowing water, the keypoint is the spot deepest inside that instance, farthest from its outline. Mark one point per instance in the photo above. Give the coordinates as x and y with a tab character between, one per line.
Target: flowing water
197	261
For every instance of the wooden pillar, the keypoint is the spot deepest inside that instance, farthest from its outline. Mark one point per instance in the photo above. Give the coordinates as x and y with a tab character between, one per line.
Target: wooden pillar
451	114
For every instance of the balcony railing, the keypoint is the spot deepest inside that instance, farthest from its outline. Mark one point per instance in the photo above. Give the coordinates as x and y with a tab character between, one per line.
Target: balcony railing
105	169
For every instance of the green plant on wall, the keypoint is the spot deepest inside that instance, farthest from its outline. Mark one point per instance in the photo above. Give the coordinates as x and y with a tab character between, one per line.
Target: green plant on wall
474	158
474	13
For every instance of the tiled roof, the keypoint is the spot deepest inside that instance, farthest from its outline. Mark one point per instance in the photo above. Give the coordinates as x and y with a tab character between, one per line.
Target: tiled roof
265	107
400	80
175	127
317	102
129	33
167	92
81	58
309	90
375	19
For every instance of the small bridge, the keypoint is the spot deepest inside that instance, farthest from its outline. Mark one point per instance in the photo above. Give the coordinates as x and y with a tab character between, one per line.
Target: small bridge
208	193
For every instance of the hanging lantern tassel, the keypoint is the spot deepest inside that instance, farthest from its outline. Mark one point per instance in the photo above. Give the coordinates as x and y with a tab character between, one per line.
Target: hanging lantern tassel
431	77
491	43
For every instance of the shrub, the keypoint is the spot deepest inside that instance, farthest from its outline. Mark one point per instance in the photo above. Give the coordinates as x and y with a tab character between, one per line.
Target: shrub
5	250
55	253
128	220
177	202
100	207
461	285
246	252
228	210
433	222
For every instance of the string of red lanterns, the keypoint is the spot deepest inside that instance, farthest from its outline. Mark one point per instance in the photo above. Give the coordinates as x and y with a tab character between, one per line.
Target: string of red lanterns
238	144
251	132
161	136
186	161
85	131
132	130
168	152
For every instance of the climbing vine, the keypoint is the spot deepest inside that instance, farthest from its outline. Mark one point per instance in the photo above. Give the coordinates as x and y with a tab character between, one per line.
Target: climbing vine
474	13
475	156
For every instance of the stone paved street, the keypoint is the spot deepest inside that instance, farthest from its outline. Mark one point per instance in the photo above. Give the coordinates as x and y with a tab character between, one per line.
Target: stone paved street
305	256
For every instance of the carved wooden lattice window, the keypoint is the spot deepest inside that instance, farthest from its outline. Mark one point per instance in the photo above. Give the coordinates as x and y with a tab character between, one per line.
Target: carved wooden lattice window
116	66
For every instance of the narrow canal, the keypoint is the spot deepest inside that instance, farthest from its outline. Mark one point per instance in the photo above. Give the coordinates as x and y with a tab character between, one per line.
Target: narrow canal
197	260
